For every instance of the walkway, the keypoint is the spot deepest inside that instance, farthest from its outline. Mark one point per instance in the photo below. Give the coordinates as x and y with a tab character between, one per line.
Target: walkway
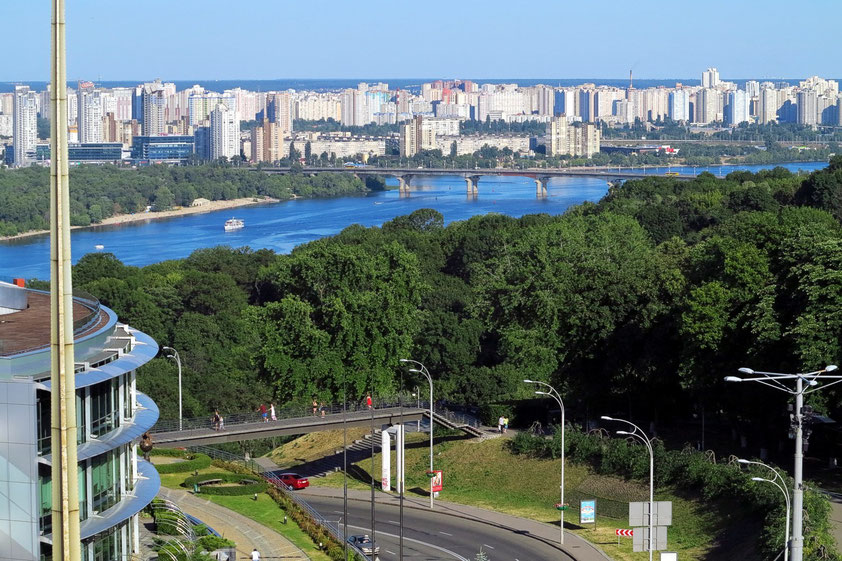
246	533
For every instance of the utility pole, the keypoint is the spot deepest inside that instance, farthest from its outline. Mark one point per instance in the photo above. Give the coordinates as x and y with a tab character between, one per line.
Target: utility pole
65	487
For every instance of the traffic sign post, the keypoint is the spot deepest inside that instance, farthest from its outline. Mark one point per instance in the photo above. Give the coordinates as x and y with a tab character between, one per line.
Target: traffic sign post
640	541
639	514
624	533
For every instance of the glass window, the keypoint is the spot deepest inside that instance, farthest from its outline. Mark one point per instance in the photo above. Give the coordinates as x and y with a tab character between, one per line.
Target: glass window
104	482
80	417
128	406
45	488
104	418
44	415
83	494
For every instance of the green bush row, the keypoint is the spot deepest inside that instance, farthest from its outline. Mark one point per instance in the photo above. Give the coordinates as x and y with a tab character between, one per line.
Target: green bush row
246	489
331	547
169	452
689	469
194	462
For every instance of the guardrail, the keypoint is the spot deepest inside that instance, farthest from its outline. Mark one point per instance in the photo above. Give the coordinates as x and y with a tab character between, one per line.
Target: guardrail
286	412
333	528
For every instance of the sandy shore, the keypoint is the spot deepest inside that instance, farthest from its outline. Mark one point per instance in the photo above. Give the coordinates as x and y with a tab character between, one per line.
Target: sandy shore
141	216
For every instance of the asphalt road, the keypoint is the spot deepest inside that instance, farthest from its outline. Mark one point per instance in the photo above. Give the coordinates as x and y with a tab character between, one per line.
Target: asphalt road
431	535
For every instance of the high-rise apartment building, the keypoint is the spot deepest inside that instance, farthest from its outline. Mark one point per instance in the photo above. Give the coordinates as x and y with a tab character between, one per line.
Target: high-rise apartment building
154	104
737	108
417	135
24	126
90	112
679	105
224	133
807	107
279	111
562	138
710	78
767	109
266	142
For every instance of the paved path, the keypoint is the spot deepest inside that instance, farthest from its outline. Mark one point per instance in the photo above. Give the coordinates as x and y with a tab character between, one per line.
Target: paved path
576	547
835	516
246	533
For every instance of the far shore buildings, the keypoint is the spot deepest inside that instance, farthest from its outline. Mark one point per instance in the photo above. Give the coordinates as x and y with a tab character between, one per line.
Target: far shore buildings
111	414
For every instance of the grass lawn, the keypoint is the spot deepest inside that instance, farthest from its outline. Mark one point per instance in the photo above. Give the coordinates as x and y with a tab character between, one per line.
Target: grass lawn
487	475
265	511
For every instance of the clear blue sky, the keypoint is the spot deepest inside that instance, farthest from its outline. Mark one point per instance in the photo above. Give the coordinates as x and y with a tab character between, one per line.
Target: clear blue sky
265	39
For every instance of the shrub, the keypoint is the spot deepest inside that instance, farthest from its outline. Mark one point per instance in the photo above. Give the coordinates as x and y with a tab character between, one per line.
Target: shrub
257	485
194	462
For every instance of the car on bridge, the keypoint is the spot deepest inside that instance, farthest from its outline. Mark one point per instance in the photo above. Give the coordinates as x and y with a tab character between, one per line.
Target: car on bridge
364	544
294	481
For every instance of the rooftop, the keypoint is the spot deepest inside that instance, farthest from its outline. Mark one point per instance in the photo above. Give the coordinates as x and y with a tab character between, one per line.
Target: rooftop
29	329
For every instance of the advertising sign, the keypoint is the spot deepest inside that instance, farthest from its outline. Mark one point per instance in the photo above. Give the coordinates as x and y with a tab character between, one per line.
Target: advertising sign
436	482
386	462
587	512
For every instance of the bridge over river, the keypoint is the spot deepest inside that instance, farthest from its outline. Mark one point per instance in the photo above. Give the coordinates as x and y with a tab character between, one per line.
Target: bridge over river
472	175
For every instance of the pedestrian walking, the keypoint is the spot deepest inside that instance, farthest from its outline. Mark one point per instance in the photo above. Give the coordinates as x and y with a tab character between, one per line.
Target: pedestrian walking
500	424
272	412
263	413
215	419
255	555
315	406
368	400
324	409
505	424
221	422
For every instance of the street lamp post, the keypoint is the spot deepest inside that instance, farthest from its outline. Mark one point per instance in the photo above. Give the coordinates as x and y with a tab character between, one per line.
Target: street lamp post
174	355
423	370
641	436
776	380
782	487
553	393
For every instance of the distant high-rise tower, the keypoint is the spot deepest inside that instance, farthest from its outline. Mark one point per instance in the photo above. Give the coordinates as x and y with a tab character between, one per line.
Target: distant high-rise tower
224	132
24	125
154	109
710	78
90	112
279	111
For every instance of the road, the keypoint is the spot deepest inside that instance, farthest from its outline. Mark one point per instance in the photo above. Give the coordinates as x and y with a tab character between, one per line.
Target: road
432	535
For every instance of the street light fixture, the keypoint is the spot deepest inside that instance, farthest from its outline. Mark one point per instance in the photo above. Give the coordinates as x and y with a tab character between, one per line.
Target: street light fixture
641	436
775	380
553	393
174	355
423	370
782	487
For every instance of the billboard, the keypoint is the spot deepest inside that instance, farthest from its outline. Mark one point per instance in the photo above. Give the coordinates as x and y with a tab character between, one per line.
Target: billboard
436	482
587	511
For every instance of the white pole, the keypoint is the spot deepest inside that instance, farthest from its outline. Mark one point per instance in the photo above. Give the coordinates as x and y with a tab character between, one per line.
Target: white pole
385	461
797	492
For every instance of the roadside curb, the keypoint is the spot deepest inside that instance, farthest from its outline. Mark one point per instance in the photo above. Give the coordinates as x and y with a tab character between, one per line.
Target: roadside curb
592	549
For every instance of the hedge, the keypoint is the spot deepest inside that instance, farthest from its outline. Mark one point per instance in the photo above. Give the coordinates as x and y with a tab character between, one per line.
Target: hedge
689	469
247	489
194	462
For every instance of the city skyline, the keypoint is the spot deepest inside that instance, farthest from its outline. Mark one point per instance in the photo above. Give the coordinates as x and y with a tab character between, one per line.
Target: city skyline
497	40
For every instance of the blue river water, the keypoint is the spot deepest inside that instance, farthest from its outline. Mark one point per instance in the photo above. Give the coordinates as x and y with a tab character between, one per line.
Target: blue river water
282	226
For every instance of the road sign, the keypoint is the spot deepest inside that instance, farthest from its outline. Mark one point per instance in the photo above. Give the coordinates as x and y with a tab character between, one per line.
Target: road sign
587	512
669	556
639	513
625	533
640	540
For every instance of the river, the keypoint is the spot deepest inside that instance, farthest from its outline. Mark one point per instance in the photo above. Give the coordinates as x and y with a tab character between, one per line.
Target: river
282	226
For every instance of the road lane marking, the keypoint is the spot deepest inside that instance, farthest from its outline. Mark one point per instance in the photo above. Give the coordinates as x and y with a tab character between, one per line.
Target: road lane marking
488	546
394	522
391	552
447	551
445	533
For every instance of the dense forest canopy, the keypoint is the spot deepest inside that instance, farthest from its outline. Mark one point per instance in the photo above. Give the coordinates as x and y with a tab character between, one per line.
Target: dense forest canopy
649	297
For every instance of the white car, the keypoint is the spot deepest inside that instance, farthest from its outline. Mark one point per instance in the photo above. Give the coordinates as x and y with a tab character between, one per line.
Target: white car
365	544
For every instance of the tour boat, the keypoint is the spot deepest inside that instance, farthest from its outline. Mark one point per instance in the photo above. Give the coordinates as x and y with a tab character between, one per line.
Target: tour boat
233	224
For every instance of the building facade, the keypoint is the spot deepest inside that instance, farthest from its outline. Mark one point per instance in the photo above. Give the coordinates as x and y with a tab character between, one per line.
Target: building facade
111	415
24	126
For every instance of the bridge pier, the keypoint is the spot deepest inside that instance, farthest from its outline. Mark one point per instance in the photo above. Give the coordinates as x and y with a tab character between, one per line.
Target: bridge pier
472	181
541	186
404	182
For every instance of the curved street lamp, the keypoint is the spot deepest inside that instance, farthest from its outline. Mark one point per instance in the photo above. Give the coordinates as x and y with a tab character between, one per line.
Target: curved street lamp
782	487
553	393
638	433
174	355
423	370
775	380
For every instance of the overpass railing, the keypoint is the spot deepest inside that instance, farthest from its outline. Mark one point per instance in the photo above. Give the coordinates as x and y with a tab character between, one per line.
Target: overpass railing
335	529
286	412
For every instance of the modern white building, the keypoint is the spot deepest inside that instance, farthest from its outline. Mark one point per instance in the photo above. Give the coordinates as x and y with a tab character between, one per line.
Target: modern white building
91	110
224	132
114	483
25	126
738	108
679	105
562	138
710	78
807	107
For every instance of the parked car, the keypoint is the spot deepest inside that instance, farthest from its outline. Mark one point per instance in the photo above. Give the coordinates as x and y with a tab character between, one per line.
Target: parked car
294	480
365	544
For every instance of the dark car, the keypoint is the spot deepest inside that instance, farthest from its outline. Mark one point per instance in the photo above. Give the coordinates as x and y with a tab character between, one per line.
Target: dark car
294	480
365	544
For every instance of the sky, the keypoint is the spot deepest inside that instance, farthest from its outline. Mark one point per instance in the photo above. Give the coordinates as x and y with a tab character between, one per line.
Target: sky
471	39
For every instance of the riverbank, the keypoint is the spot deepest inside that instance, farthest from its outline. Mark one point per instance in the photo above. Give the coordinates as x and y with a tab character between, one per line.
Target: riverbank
210	206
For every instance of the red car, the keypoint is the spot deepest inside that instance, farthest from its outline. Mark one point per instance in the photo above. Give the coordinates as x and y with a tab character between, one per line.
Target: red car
294	480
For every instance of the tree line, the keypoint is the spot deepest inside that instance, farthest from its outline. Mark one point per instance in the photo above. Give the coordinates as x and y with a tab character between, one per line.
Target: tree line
98	192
